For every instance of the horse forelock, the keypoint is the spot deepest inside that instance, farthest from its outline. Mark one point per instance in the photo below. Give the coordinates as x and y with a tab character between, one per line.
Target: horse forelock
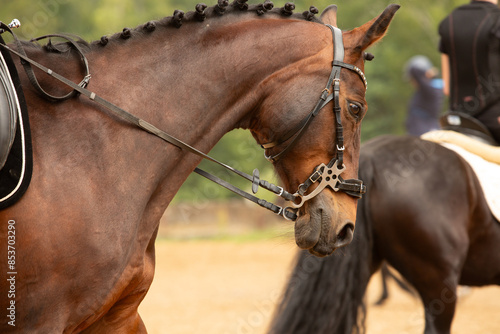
201	13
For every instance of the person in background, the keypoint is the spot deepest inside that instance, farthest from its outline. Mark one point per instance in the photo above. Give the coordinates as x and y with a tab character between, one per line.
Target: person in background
470	60
426	103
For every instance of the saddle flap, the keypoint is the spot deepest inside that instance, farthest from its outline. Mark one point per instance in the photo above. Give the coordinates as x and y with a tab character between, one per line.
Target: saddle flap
16	157
9	111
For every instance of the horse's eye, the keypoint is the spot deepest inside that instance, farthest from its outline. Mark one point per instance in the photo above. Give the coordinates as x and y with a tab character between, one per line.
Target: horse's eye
354	108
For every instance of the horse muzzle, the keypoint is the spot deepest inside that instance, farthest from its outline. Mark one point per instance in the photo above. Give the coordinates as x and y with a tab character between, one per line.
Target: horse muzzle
326	226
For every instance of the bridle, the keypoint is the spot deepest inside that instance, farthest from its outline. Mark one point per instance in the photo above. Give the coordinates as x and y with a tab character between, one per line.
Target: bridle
327	175
326	96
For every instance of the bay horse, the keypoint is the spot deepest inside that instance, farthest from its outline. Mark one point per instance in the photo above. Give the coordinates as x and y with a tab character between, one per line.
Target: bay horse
425	214
86	226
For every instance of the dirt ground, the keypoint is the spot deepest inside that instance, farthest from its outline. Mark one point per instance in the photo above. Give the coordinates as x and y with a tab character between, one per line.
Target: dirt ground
231	287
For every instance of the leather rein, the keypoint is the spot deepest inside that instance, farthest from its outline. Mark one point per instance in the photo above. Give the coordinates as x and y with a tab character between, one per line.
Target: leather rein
328	175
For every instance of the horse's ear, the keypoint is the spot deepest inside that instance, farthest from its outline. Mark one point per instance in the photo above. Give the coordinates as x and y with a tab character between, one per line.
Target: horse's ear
375	29
329	15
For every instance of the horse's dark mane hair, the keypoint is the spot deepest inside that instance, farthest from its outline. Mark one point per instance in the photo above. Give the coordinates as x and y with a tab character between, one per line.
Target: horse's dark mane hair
201	13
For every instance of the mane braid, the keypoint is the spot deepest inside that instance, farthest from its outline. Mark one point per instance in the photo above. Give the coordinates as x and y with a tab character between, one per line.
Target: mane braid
126	33
199	14
264	7
241	4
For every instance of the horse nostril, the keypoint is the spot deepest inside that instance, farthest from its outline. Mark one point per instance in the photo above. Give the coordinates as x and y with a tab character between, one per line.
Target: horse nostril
346	234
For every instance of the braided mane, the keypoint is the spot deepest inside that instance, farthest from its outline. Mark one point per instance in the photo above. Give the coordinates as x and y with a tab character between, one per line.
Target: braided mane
203	12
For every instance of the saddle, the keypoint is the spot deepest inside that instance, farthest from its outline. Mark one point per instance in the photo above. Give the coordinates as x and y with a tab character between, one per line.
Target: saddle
468	133
16	162
463	123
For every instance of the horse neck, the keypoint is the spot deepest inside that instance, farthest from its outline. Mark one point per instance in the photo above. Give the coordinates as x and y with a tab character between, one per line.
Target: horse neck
196	83
200	81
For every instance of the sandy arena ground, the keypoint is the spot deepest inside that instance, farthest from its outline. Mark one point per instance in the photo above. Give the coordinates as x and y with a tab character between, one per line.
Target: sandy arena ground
229	287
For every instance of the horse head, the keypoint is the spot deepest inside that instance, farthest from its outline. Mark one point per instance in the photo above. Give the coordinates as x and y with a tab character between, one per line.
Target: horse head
327	220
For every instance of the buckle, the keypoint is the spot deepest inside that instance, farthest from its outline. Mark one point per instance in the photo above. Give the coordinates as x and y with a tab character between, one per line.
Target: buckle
84	83
281	191
14	24
284	211
255	180
315	176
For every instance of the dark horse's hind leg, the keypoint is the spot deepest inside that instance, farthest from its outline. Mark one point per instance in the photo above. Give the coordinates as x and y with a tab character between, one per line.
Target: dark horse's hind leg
436	281
433	268
439	305
434	273
435	277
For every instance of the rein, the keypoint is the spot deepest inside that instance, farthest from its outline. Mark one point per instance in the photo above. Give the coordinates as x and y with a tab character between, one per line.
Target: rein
327	175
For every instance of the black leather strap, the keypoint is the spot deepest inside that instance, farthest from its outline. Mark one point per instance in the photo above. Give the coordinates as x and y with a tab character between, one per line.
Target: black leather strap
285	212
298	134
31	75
352	187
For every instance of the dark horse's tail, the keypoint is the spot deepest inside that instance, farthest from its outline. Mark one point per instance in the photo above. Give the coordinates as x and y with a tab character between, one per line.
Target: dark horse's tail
325	295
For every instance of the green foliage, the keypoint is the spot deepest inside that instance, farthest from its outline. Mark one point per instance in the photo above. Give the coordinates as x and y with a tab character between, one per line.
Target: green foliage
413	31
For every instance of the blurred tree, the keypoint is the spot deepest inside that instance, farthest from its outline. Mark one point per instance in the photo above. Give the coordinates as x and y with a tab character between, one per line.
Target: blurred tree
413	31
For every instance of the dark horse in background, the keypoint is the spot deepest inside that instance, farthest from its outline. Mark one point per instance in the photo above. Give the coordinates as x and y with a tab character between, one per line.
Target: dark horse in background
86	227
425	214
